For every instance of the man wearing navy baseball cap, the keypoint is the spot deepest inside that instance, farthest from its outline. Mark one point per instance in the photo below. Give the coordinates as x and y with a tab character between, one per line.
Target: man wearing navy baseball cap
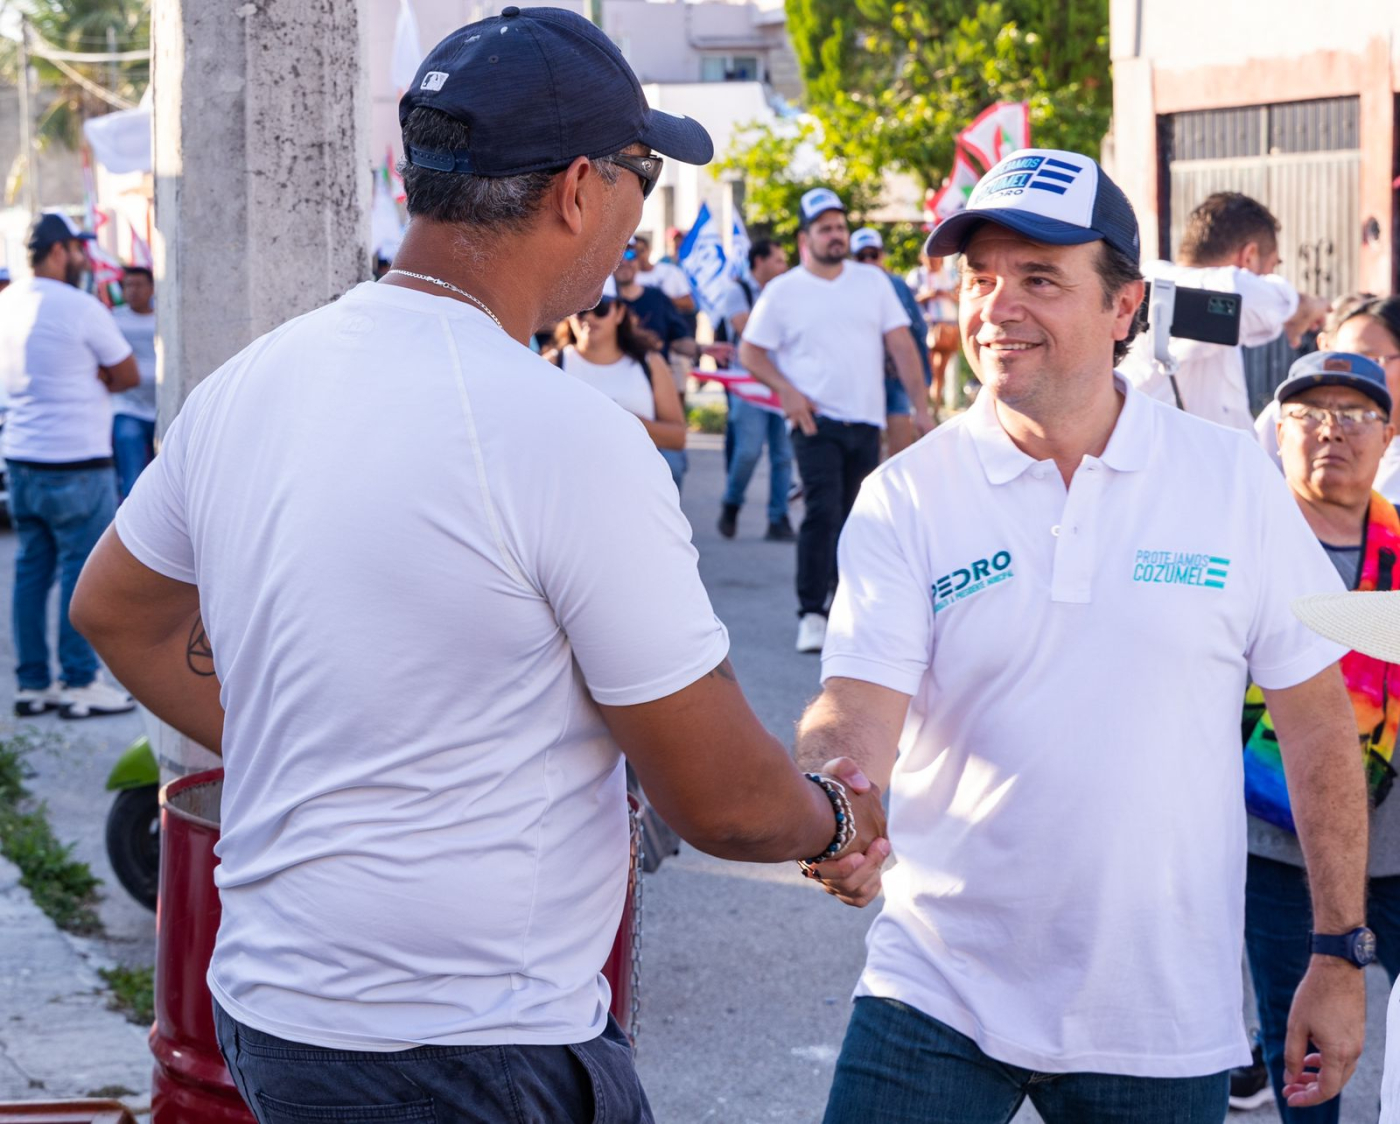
423	619
1047	614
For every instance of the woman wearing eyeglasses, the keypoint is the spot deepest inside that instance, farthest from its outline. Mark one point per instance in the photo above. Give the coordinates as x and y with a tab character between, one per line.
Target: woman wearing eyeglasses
1367	325
606	348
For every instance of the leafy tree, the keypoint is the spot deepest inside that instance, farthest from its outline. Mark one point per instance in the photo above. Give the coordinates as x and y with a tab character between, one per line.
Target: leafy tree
894	81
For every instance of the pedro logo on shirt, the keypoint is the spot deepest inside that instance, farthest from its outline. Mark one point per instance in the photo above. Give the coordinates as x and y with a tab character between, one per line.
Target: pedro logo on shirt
973	578
1180	567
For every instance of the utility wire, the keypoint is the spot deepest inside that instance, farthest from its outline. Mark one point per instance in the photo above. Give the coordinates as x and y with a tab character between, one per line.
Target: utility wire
42	48
90	86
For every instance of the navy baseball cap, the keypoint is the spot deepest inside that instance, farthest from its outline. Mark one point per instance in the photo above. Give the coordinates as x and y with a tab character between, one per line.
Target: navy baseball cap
1336	368
817	202
54	226
1061	198
538	88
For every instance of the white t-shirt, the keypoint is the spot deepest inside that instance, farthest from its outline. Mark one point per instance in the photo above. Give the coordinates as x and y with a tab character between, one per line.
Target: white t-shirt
1211	378
139	331
828	337
667	277
1066	807
1390	1074
626	382
53	338
413	599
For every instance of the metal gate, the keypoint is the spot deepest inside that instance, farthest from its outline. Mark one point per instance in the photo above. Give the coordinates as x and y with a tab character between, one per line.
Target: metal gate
1302	160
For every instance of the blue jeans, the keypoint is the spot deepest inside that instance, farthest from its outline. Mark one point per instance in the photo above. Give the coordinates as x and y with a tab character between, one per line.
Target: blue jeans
133	448
1277	921
896	398
677	462
752	426
899	1066
59	514
292	1083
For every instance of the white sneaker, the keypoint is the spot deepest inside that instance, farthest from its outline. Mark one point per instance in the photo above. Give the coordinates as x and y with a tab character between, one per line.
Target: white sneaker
811	632
29	702
94	700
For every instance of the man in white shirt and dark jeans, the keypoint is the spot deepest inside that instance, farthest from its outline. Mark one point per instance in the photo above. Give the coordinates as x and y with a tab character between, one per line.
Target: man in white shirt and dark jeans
818	336
1047	615
61	360
418	896
1230	244
134	410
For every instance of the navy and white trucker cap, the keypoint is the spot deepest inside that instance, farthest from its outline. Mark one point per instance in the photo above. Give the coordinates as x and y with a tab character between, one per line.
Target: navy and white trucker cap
54	226
538	88
817	202
1047	195
866	238
1336	368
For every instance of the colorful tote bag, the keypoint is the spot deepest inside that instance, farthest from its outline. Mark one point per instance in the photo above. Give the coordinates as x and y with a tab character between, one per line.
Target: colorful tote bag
1374	687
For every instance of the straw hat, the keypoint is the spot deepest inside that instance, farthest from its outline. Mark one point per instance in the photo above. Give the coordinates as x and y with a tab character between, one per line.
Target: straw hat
1366	622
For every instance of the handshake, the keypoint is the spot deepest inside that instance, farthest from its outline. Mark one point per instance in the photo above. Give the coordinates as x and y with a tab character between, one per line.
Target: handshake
850	869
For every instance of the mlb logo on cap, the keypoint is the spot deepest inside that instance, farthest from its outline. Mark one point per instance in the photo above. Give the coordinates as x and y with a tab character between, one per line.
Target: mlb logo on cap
1047	195
818	201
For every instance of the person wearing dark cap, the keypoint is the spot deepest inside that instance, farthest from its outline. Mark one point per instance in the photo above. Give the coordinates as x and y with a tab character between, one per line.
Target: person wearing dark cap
1047	614
1333	429
424	847
62	357
818	336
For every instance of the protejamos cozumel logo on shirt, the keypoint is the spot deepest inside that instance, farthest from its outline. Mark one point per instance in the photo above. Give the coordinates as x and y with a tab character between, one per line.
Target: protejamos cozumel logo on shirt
965	581
1181	567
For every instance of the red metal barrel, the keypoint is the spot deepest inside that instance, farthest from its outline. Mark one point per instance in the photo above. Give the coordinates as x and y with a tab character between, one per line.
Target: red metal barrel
191	1082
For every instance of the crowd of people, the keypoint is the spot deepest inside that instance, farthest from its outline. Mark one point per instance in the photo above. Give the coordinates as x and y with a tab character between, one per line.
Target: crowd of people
1057	631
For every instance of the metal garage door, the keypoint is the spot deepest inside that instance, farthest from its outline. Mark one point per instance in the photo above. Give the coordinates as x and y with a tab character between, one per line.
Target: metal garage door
1302	160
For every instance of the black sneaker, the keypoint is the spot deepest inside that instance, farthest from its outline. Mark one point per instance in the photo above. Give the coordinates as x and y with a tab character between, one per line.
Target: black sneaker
781	531
1249	1085
729	520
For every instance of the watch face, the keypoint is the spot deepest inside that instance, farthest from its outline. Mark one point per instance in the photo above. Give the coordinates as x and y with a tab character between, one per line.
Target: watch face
1363	948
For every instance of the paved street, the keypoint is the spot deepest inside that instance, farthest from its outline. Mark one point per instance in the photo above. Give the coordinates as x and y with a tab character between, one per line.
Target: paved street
747	970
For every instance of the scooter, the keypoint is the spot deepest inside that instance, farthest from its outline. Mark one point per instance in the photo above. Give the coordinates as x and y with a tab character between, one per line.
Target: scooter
133	822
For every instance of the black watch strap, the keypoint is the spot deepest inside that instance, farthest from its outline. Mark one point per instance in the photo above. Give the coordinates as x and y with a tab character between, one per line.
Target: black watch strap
1357	947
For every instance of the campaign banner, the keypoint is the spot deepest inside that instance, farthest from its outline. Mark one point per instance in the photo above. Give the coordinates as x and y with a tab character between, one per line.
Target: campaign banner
744	385
952	197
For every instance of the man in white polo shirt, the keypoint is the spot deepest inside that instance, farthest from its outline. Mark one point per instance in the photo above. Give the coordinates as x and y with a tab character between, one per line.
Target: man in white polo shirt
818	336
1047	613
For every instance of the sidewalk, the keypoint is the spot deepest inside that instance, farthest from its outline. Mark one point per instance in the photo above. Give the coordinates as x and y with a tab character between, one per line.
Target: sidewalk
57	1037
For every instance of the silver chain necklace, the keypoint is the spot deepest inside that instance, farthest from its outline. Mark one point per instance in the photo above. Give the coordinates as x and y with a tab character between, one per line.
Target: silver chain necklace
448	285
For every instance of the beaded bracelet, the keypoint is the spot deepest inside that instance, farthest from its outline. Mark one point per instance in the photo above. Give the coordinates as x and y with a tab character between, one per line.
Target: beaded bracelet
845	821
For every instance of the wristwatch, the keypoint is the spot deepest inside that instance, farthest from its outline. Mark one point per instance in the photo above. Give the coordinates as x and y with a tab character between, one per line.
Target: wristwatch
1357	947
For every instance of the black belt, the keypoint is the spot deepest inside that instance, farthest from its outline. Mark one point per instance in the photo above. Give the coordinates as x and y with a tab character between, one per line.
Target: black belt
64	466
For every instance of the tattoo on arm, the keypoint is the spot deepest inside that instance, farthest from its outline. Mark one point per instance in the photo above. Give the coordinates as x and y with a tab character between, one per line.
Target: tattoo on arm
724	671
199	656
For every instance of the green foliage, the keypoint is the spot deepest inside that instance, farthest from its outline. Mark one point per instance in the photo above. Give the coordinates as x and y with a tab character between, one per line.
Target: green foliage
82	26
890	83
708	419
133	992
63	888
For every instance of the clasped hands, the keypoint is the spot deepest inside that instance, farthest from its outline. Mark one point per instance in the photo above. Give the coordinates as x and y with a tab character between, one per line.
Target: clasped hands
853	876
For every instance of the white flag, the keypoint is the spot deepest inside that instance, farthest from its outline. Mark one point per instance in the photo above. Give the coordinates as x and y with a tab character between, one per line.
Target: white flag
999	129
739	249
408	55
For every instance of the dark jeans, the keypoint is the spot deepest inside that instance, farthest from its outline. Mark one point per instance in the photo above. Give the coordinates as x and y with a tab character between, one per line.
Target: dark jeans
133	448
898	1066
833	462
292	1083
1277	921
59	515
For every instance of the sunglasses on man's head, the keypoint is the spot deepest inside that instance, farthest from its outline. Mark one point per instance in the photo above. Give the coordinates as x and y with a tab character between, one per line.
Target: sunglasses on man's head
647	168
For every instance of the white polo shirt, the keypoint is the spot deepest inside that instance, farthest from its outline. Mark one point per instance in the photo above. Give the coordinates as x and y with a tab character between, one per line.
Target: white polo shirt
828	337
1211	379
1066	806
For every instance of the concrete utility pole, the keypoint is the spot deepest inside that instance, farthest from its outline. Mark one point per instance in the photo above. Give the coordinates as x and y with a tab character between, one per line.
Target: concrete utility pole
262	186
28	141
